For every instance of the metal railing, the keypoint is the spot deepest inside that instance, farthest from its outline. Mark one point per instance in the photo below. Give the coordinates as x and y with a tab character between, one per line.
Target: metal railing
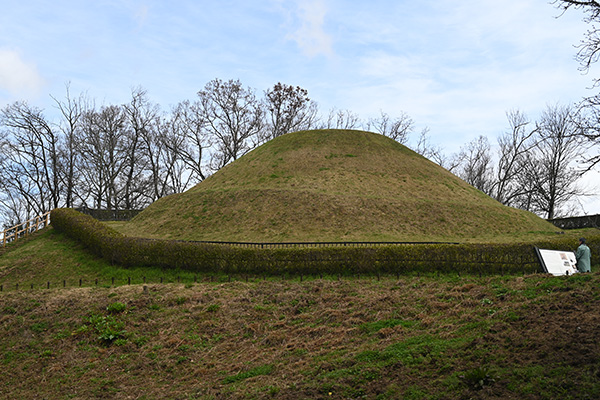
279	245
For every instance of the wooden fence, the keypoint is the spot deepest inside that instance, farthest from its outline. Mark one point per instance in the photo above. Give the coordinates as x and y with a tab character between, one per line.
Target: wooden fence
25	228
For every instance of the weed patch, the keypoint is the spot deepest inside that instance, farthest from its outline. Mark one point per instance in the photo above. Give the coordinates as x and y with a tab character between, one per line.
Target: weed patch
107	327
257	371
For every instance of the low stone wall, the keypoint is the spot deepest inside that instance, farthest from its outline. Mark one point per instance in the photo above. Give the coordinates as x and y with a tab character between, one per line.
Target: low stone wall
588	221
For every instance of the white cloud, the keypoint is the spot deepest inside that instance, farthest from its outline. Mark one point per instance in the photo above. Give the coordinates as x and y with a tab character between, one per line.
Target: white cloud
17	76
141	15
311	36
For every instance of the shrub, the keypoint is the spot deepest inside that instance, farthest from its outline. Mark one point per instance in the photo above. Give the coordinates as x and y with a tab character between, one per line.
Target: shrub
115	308
107	328
212	258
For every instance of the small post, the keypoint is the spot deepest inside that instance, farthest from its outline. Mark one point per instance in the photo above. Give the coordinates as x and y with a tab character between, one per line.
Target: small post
64	283
161	279
17	286
80	282
48	286
113	280
129	280
1	288
96	281
32	286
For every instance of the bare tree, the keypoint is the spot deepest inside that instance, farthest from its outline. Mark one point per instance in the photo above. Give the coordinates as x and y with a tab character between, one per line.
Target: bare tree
526	182
589	47
233	117
104	156
341	119
559	145
287	109
513	146
177	175
187	122
167	174
432	152
588	53
72	111
16	200
476	166
31	156
398	128
144	148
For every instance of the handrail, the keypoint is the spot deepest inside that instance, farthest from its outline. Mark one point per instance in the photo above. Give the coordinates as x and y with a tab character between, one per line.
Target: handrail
266	245
25	228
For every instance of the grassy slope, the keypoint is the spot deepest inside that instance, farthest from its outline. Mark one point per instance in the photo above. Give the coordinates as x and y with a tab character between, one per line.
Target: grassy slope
529	337
333	185
49	256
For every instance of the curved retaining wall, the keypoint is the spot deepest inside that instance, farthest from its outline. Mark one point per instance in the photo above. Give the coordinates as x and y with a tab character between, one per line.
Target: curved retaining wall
587	221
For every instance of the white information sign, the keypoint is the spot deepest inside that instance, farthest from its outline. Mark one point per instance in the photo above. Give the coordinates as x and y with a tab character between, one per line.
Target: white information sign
558	262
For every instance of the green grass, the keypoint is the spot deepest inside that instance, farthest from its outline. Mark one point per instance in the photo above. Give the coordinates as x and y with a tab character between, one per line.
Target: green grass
381	324
51	259
257	371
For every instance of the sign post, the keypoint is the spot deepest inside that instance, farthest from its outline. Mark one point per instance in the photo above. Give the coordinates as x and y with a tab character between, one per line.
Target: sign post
557	262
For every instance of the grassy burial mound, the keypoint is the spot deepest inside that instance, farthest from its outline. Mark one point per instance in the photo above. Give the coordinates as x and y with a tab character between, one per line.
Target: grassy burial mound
333	185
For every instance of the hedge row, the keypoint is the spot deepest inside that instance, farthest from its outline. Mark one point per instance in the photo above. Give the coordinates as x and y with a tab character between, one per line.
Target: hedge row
399	259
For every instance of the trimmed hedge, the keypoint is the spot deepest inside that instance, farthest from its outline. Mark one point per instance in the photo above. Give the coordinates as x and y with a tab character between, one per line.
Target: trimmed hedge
397	259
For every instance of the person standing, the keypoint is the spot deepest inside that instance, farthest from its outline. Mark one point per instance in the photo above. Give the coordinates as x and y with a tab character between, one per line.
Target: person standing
583	256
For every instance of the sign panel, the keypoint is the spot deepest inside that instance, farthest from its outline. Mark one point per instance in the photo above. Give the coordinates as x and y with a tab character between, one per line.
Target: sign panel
557	262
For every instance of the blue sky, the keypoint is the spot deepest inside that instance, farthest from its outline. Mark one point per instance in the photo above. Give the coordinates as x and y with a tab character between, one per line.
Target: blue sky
455	67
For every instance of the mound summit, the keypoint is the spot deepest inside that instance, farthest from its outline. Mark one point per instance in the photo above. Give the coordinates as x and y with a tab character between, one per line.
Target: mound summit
332	185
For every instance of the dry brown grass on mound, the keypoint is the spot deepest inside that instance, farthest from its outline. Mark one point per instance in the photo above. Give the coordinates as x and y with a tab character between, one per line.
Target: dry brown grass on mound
332	185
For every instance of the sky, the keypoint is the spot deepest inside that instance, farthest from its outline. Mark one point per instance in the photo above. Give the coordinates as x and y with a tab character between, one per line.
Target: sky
455	67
